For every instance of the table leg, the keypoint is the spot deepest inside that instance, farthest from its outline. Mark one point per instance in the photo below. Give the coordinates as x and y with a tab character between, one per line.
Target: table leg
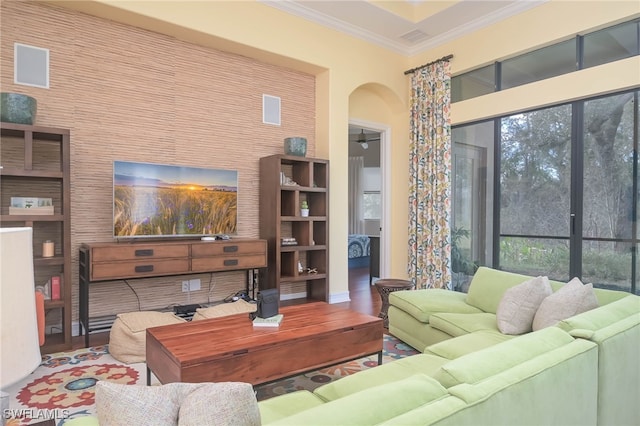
380	358
148	376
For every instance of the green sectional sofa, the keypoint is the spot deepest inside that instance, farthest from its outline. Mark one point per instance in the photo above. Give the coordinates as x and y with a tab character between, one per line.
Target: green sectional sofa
582	370
450	325
546	378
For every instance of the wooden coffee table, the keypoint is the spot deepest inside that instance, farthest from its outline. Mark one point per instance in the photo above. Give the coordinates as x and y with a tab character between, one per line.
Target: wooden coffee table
311	336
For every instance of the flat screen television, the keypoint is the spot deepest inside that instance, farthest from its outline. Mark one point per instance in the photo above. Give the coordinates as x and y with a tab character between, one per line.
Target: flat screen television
157	200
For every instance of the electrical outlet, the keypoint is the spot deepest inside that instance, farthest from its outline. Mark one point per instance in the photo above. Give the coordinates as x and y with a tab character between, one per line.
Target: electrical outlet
185	286
194	284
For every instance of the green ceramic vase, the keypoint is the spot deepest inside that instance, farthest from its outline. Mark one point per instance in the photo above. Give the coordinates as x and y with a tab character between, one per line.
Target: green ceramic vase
17	108
295	146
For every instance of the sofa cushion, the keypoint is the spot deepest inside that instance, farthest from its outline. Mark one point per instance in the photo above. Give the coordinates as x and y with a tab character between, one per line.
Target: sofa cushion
380	375
286	405
573	298
229	403
127	338
371	406
420	304
477	366
459	324
519	304
488	285
462	345
604	316
238	307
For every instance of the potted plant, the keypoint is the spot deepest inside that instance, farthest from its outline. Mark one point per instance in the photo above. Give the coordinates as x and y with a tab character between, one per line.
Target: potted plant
461	266
304	209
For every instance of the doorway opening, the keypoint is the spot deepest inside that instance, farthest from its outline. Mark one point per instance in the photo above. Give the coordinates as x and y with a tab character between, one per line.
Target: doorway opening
368	206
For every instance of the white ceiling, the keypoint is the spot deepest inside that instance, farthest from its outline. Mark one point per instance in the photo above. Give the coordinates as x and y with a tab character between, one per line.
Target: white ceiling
408	27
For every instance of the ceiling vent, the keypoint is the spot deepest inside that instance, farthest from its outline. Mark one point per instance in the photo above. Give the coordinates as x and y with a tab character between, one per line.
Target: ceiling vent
415	36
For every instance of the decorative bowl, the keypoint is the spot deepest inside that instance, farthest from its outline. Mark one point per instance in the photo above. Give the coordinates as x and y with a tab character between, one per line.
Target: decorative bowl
17	108
295	146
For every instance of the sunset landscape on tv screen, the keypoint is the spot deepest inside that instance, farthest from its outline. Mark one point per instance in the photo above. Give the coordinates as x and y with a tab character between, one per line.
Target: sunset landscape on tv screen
155	200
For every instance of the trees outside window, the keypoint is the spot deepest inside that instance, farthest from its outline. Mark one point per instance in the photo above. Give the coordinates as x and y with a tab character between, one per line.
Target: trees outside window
567	190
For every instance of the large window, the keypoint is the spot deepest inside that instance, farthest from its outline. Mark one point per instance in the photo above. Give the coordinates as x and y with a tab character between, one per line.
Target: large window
566	194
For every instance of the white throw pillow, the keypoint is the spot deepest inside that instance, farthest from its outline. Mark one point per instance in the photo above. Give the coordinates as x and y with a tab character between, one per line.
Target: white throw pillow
225	403
139	405
220	404
571	299
519	304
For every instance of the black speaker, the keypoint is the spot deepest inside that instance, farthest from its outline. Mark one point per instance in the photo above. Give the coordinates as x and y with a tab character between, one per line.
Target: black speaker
268	301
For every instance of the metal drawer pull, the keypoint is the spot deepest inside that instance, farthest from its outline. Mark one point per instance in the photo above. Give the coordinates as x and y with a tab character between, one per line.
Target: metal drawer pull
144	252
230	249
144	268
231	262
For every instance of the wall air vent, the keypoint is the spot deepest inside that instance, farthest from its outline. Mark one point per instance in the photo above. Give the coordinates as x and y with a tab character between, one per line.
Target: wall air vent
31	65
271	109
415	36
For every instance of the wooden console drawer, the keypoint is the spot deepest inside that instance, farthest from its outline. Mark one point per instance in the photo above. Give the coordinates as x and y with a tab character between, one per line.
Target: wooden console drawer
228	248
206	264
138	251
140	268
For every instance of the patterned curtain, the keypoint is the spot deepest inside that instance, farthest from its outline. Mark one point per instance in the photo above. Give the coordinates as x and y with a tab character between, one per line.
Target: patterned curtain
430	177
356	209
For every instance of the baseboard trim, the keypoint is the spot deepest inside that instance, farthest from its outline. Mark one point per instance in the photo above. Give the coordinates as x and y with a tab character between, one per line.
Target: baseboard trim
339	297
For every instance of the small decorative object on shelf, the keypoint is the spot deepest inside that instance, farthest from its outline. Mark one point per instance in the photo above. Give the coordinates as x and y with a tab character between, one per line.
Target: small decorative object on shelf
18	108
55	288
286	180
31	205
45	289
48	248
304	209
300	267
295	146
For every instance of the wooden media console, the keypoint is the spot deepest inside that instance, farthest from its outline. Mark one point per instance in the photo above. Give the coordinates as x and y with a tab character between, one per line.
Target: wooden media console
142	259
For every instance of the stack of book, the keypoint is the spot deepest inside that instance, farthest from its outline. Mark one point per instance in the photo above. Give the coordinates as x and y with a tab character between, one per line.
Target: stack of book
287	241
273	321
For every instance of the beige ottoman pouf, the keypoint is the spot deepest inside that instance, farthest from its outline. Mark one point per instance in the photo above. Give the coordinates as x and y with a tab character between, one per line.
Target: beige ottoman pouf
222	310
127	340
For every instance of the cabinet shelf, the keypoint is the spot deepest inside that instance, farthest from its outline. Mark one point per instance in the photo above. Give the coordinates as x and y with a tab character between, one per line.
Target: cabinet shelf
280	218
302	188
303	248
302	277
36	163
303	218
32	218
50	261
53	304
35	174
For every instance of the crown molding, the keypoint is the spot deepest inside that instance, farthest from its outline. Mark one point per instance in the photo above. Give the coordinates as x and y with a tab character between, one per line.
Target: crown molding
312	15
298	9
475	25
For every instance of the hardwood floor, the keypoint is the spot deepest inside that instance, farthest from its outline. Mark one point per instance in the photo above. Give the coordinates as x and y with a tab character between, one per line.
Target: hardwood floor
364	298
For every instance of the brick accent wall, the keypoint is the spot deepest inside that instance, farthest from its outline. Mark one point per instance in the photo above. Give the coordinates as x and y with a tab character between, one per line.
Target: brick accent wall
135	95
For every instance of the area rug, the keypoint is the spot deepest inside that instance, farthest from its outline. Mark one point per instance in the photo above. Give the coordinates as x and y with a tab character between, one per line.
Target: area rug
63	386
